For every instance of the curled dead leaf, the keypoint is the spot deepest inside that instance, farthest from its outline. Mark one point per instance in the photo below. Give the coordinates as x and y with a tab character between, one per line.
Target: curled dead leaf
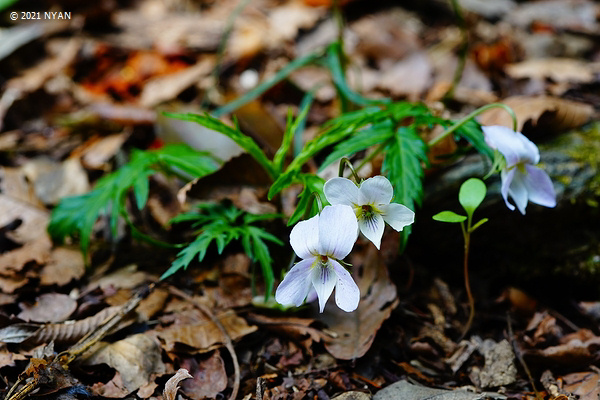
172	384
543	112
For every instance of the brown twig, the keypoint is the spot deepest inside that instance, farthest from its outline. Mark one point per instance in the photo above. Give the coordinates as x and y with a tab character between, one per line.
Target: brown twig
517	352
228	341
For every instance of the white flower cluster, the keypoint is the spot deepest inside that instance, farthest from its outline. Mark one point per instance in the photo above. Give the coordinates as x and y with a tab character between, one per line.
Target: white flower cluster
325	239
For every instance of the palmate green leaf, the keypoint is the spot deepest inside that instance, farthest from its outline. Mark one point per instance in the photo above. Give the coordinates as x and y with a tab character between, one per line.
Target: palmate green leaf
244	141
77	215
4	4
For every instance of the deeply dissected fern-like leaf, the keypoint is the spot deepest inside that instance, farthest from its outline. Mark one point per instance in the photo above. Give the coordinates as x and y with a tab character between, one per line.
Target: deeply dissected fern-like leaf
77	215
221	224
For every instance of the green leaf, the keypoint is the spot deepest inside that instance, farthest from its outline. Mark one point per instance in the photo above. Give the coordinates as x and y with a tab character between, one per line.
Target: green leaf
471	194
222	224
282	74
312	184
4	4
471	131
449	216
404	155
365	138
333	62
77	215
244	141
290	132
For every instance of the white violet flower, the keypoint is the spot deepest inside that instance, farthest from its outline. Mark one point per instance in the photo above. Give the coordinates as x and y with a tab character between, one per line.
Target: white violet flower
321	242
520	178
371	204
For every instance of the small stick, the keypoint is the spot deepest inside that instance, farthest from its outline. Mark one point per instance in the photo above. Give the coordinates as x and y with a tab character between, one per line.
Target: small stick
517	351
228	342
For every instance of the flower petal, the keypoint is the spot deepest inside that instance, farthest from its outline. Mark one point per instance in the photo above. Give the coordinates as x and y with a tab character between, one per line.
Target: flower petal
514	146
341	191
372	228
304	237
375	190
397	215
338	230
347	293
539	187
323	279
296	284
518	191
507	178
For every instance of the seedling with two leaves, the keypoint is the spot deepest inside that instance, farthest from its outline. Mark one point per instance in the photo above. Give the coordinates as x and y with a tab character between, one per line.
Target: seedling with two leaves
471	194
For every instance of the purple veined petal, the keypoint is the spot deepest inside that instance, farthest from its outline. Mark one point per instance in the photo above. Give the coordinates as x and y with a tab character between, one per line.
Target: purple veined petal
507	178
341	191
323	278
518	191
375	190
539	187
372	228
347	293
304	237
338	230
296	284
397	215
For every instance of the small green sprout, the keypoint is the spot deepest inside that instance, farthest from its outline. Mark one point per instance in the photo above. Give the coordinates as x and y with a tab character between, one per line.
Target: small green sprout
471	194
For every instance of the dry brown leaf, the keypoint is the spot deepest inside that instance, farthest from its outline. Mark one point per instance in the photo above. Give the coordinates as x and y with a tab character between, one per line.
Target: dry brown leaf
544	112
33	219
49	307
13	182
37	251
136	358
298	329
172	384
574	349
355	332
114	389
408	77
557	69
168	87
208	377
98	151
64	265
54	180
192	328
583	384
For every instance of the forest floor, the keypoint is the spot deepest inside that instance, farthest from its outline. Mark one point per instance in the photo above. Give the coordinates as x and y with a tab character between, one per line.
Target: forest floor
85	83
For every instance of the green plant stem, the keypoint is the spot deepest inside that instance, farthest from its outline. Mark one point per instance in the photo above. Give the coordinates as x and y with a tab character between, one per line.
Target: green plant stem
464	47
371	156
472	115
467	238
345	162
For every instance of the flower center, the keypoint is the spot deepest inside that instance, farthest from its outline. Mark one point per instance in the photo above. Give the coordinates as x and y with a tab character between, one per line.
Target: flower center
366	212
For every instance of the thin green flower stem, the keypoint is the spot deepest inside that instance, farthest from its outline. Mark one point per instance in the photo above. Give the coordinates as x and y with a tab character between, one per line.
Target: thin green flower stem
467	238
371	156
472	115
345	162
464	47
